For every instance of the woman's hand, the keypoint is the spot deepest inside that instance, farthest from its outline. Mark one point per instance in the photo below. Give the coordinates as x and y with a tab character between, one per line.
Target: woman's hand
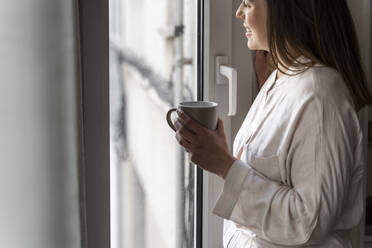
208	148
262	67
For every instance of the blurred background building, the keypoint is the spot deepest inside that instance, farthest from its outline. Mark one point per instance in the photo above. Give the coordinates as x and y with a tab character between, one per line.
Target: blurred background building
152	68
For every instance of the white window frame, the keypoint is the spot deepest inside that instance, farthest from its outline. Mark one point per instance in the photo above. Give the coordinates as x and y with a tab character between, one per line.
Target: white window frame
224	35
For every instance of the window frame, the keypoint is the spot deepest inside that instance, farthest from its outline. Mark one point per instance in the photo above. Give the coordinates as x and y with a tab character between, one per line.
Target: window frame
223	35
198	228
93	56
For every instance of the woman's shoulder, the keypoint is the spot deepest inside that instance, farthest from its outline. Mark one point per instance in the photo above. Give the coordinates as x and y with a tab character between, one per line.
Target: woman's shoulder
324	75
324	83
320	78
322	91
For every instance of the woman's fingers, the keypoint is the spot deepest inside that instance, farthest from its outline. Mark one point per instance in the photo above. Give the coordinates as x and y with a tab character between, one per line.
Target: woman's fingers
220	127
189	123
183	142
184	132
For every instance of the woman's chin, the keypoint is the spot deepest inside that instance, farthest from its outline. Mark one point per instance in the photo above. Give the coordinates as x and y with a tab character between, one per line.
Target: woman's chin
253	45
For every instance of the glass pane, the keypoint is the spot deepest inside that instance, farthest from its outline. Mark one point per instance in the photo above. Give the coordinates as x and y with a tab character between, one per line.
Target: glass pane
153	66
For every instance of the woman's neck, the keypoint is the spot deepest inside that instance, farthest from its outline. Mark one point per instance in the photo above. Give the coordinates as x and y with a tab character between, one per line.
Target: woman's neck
279	73
284	68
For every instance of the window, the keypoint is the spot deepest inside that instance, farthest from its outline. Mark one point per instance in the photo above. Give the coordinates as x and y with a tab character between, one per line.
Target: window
161	53
153	66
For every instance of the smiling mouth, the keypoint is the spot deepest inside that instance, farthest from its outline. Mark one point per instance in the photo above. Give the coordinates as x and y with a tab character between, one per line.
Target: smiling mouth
248	32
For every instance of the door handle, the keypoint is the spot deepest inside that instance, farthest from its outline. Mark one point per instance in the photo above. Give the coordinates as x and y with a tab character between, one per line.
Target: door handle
231	74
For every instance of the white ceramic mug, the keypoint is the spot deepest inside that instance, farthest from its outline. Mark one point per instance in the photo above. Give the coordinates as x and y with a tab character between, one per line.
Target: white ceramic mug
203	112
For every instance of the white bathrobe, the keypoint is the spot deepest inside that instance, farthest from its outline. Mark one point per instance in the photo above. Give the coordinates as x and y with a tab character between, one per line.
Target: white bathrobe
301	173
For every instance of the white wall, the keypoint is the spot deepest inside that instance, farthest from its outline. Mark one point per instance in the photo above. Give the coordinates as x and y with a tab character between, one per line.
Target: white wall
38	158
362	14
361	11
152	148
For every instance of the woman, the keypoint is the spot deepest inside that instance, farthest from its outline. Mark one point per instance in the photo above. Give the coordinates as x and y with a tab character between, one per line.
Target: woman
297	173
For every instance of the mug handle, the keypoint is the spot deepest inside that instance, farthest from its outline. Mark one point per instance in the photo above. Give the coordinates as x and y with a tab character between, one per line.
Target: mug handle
170	123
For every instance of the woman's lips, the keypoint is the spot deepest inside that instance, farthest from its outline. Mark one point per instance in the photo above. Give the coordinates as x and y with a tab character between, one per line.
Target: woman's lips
248	34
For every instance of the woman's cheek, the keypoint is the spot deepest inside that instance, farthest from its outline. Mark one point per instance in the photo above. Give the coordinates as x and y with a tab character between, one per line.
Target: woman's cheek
251	19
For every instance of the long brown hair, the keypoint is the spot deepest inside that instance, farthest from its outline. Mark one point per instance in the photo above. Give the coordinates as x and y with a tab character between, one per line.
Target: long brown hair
324	32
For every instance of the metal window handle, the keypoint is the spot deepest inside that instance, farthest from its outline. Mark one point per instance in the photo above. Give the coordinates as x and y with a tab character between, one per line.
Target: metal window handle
231	74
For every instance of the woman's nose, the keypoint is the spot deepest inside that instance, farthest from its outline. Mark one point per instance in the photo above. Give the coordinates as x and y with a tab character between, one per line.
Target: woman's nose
239	13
